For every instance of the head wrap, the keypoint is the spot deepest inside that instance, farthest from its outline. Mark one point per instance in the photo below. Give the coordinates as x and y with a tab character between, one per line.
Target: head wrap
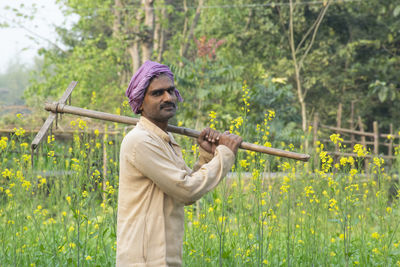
141	80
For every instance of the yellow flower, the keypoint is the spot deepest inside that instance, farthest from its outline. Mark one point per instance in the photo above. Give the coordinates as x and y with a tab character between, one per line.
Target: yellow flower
212	115
378	161
26	184
24	145
82	124
375	235
7	173
360	150
88	258
353	172
19	132
93	98
3	143
335	138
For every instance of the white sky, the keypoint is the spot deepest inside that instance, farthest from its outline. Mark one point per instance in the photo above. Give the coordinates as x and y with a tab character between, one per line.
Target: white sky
15	41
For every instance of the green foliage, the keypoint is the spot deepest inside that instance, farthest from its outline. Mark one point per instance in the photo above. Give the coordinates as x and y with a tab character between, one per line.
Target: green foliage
92	58
355	53
208	85
63	211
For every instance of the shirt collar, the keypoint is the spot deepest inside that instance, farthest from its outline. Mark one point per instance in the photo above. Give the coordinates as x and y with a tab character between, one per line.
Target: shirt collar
147	124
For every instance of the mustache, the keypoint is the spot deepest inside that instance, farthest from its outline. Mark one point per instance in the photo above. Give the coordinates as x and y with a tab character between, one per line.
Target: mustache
168	104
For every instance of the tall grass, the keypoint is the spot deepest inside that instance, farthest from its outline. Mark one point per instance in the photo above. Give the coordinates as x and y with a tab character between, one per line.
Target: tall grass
268	211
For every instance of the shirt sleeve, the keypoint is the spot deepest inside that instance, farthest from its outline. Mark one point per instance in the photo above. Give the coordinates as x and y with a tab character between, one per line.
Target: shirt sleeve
180	184
204	158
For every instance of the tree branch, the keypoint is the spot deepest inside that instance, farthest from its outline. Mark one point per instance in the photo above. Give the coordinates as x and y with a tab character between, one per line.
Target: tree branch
185	46
305	36
319	20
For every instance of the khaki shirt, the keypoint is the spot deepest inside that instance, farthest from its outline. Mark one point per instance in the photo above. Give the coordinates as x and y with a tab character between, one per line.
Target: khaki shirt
154	186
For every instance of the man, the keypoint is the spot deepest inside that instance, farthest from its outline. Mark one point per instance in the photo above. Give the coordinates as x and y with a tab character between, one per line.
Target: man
155	182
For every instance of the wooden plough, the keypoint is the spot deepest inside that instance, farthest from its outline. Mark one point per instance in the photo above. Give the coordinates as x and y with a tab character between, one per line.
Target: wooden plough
60	107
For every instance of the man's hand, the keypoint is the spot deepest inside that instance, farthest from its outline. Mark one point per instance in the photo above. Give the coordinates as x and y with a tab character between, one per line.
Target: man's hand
208	139
232	141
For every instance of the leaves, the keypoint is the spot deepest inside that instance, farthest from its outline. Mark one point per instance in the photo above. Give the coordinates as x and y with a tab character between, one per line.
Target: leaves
396	11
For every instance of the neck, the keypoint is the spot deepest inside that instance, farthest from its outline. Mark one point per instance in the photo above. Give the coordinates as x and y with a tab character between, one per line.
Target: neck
161	124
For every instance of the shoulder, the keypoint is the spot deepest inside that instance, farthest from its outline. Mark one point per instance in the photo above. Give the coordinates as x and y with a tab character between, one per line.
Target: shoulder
137	137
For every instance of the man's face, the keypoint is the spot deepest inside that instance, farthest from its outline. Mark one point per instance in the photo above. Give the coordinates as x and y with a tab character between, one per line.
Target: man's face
159	104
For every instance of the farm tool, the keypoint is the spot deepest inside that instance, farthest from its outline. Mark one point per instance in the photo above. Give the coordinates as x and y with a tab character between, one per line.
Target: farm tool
60	107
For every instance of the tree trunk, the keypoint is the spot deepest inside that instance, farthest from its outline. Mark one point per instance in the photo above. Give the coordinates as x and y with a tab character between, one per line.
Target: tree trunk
117	18
147	43
185	45
135	56
163	33
157	32
185	27
298	64
133	49
160	31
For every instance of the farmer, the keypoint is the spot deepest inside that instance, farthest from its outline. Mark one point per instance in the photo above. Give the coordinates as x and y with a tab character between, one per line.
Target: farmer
155	182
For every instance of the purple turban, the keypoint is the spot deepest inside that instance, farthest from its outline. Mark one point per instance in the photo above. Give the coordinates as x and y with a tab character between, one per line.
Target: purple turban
141	80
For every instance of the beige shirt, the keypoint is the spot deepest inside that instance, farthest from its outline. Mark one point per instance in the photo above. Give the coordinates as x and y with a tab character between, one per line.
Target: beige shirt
154	186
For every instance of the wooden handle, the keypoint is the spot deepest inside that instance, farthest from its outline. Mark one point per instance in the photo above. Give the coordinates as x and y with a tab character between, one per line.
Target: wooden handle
62	108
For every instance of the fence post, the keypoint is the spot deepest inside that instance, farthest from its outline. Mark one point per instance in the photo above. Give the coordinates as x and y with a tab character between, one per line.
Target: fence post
390	147
338	125
360	125
315	138
352	123
363	142
376	138
315	128
339	116
105	136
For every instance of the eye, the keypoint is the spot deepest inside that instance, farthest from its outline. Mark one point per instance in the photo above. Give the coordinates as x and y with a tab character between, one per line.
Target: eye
171	90
157	93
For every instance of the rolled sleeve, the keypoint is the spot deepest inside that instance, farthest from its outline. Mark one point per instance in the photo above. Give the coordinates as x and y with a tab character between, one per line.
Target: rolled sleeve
178	183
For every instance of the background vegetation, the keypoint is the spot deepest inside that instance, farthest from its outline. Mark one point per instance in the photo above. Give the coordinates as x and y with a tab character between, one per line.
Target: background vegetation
297	57
261	69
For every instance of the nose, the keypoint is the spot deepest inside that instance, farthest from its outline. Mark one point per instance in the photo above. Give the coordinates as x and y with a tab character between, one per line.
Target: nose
169	96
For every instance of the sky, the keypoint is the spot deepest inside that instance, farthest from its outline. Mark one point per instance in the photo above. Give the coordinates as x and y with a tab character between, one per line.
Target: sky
16	42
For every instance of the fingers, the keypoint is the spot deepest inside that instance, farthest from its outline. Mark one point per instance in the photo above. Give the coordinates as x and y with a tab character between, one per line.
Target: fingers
210	135
232	141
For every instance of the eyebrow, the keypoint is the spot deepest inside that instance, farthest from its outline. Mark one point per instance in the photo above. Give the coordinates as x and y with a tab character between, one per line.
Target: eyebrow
162	89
